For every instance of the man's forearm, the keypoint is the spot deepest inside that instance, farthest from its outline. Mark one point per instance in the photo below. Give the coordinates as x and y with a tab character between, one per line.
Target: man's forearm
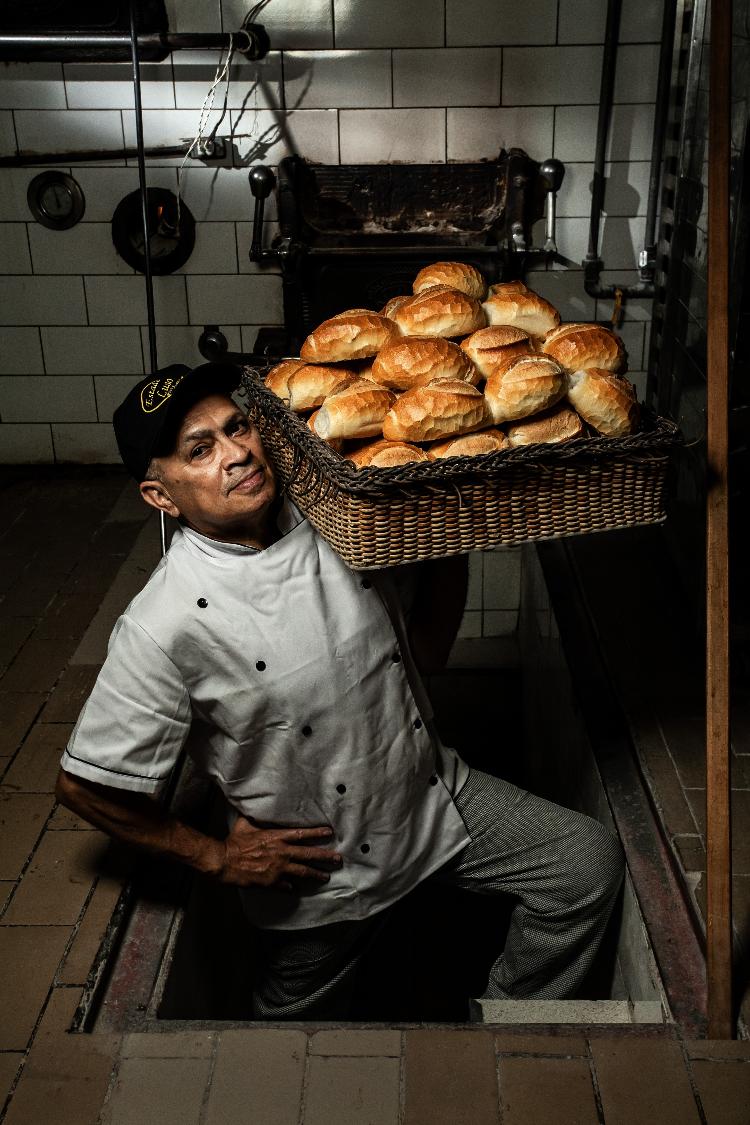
138	820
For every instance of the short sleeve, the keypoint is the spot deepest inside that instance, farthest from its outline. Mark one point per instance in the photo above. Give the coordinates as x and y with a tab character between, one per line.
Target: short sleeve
135	722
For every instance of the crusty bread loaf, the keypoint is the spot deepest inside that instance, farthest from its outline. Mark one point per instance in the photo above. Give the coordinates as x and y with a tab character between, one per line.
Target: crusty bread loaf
354	312
277	379
348	337
605	401
470	445
491	349
414	361
357	411
311	383
527	385
580	346
556	425
394	303
512	303
335	443
442	408
458	275
440	311
386	454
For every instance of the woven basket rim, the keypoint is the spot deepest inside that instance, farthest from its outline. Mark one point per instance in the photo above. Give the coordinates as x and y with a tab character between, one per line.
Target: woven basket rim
314	457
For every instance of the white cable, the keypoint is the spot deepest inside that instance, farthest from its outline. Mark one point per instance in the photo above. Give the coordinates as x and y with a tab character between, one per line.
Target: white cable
222	74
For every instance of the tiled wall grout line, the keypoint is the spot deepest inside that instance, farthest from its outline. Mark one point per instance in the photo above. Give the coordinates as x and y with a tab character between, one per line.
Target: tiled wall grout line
595	1083
691	1079
402	1079
216	1039
305	1080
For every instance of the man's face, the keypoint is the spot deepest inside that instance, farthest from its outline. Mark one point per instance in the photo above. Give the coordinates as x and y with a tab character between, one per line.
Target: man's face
217	478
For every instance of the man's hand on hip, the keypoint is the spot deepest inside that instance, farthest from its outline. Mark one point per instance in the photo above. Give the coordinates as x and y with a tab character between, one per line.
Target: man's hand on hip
272	857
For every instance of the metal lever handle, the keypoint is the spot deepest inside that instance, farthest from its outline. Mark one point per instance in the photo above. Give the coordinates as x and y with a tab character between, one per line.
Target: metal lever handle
262	183
551	173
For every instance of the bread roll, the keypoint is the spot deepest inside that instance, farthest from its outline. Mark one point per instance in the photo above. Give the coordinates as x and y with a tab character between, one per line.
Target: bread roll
458	275
354	312
556	425
470	445
527	385
413	361
605	401
277	379
310	384
386	454
442	408
347	337
335	443
357	411
440	311
395	303
577	347
491	349
512	303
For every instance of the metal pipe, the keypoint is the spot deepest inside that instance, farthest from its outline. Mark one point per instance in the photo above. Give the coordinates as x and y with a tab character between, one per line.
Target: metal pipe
606	97
144	215
661	114
252	41
85	156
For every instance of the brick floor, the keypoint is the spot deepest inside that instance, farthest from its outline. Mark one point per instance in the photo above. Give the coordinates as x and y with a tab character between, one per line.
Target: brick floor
57	895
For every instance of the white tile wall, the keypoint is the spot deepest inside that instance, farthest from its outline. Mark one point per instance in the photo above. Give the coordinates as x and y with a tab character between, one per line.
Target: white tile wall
32	86
14	248
42	300
564	288
381	136
447	76
85	248
346	79
631	130
242	299
626	189
194	15
41	131
551	75
471	22
293	25
583	21
267	137
7	133
113	88
180	344
122	300
92	351
479	134
215	250
110	390
85	443
423	81
25	445
251	83
20	352
389	23
221	194
637	72
54	398
104	188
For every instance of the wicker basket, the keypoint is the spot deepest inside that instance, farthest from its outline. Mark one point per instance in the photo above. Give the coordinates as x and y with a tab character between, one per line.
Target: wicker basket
384	517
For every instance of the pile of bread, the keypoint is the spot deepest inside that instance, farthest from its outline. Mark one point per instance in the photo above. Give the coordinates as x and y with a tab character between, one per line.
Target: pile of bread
456	370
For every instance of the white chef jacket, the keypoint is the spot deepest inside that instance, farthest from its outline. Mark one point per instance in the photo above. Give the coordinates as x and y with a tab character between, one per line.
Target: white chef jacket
284	677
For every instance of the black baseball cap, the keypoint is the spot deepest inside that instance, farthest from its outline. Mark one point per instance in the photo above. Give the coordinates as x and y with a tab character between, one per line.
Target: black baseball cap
146	423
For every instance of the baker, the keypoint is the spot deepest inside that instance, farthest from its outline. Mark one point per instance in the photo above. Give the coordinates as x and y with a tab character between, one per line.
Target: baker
289	680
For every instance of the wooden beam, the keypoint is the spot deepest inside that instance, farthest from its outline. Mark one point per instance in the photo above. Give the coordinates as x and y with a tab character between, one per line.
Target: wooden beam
718	836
